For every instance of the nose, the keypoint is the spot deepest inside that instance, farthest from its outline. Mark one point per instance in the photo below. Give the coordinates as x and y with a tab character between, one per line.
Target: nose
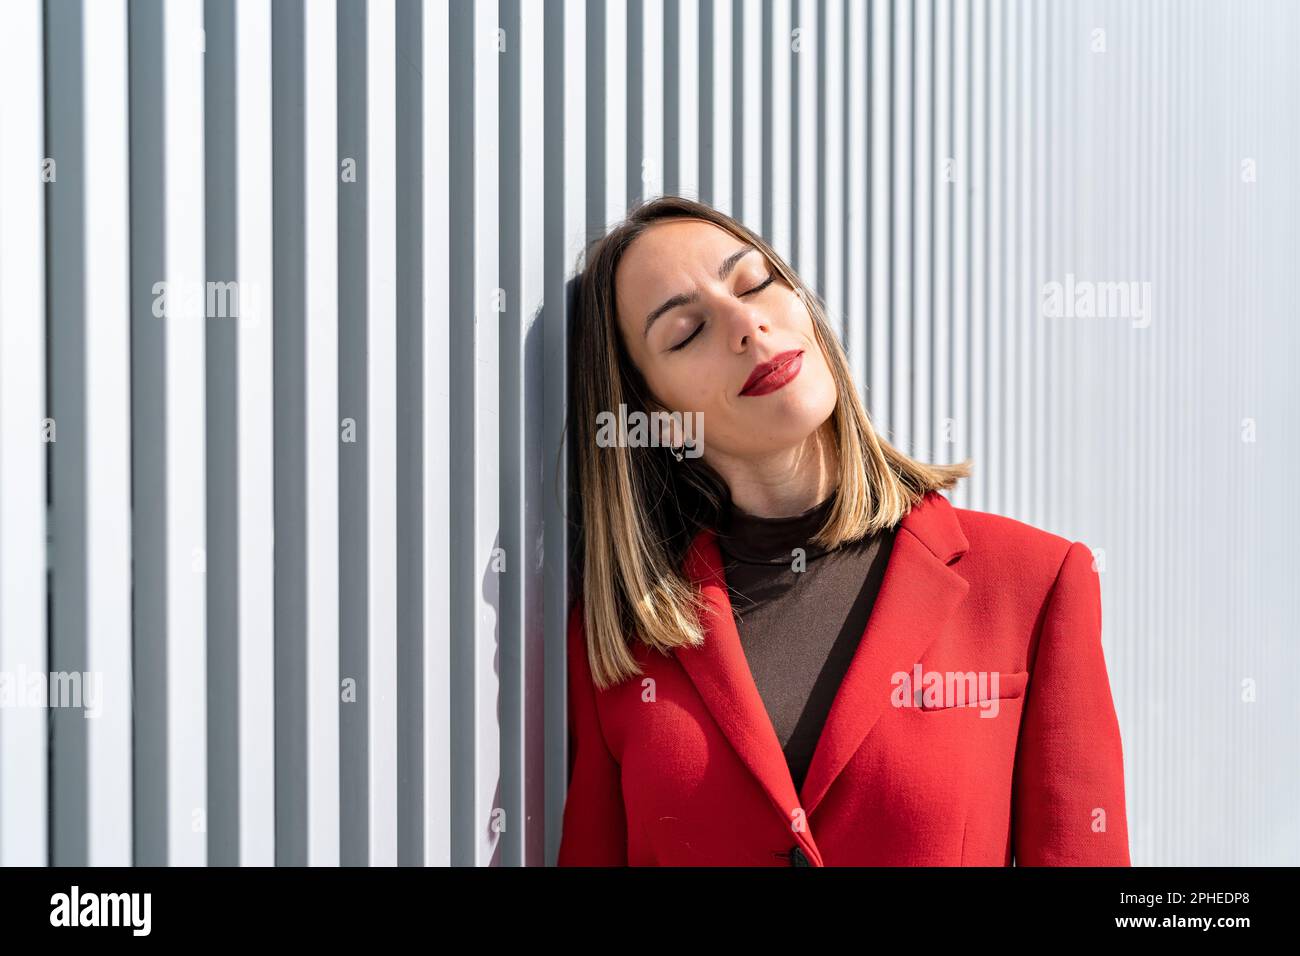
747	323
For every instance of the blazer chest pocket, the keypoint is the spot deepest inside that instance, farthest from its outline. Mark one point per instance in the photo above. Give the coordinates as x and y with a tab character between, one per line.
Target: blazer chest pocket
1011	686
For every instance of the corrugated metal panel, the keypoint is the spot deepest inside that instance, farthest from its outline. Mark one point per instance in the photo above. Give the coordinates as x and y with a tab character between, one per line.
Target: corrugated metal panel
303	547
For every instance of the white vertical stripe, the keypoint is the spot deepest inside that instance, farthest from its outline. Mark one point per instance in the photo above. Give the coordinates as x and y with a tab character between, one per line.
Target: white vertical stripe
436	458
722	107
186	542
977	441
381	416
533	97
1040	271
938	422
806	141
652	99
993	320
751	210
688	97
780	235
487	430
881	196
255	415
897	425
616	197
108	430
858	174
830	168
23	733
922	268
321	176
1013	204
961	188
1054	56
573	229
1023	400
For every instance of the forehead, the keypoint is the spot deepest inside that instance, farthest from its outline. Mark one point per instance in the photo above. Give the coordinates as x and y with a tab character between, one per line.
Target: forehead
664	259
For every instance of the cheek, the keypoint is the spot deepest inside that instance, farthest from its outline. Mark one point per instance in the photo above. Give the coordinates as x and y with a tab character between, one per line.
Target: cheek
706	394
692	384
696	386
824	377
823	392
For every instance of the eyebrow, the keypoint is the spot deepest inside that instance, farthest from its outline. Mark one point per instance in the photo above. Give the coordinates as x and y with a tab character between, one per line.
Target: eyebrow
684	298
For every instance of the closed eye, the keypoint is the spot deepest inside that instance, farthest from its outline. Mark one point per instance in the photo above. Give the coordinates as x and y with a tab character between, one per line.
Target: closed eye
687	341
699	328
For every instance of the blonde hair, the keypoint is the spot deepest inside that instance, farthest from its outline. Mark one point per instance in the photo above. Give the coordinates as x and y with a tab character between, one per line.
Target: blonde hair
636	510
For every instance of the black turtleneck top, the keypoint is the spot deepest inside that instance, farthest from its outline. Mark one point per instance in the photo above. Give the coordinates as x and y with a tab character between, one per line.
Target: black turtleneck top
800	614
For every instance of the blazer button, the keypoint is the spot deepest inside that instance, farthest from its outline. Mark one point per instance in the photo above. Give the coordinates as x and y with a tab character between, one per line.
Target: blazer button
797	857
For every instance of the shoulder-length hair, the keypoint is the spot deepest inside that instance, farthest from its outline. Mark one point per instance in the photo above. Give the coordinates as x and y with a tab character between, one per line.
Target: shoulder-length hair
636	510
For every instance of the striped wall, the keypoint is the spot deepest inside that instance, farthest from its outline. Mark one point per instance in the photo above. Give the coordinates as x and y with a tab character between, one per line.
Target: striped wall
304	557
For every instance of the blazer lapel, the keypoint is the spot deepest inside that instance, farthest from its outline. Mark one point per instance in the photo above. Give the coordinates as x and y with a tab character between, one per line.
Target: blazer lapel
721	675
917	595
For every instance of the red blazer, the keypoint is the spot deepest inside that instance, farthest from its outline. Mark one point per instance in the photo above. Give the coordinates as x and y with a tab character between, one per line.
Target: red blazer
683	767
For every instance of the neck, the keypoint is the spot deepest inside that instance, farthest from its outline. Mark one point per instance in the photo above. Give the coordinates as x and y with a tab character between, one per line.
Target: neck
787	483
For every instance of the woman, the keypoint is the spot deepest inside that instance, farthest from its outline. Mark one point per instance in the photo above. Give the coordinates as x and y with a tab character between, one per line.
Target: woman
788	647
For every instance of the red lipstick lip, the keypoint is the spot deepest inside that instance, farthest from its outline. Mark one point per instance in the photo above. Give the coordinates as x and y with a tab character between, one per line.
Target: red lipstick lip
775	372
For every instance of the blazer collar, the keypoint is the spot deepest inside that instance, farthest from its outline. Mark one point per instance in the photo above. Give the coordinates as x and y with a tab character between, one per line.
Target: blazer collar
917	595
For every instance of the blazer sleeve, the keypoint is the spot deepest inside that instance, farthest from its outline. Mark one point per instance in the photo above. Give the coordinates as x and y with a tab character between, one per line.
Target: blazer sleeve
594	829
1068	787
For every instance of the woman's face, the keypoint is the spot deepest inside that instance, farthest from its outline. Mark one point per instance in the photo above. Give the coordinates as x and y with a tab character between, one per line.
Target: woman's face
699	311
